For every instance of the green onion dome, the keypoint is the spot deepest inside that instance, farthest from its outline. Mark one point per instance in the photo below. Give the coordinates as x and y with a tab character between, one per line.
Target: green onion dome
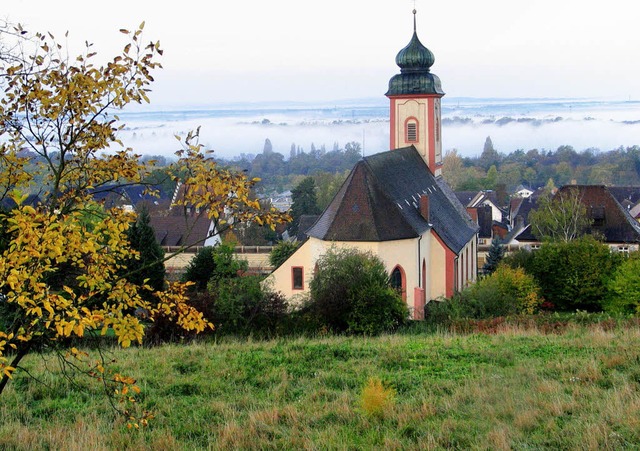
415	77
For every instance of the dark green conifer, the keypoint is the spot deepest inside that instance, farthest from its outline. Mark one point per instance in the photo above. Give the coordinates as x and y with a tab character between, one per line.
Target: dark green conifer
150	265
494	257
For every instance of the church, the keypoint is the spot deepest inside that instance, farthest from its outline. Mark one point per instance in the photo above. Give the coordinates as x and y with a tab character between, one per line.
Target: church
396	204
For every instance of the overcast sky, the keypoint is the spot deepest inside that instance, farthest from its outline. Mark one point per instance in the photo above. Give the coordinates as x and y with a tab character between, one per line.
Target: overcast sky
256	50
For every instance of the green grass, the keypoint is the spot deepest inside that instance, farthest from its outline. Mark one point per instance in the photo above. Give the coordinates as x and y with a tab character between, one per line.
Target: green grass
514	389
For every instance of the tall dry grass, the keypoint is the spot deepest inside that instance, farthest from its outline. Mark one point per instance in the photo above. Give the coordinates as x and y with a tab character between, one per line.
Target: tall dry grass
513	389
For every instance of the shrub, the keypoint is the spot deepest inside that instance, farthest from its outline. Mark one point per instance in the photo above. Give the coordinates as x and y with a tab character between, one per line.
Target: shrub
242	307
351	292
507	291
281	252
624	287
520	258
574	275
163	330
212	264
239	307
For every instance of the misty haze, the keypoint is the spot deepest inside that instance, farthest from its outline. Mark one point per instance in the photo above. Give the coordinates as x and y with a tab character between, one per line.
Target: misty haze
512	124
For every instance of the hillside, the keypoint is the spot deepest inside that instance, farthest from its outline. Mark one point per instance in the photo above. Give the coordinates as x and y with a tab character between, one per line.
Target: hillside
516	388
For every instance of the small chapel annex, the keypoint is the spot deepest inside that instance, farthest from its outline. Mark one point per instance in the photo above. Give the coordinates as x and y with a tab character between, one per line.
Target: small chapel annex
396	204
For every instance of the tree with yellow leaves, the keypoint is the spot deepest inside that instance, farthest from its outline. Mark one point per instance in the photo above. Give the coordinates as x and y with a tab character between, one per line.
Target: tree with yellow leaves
62	258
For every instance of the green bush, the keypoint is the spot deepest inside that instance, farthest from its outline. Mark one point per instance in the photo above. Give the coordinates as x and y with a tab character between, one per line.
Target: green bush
281	252
212	264
574	275
239	307
350	292
624	287
242	307
506	292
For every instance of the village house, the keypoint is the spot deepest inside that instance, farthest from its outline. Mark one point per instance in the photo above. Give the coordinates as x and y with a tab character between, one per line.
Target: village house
610	219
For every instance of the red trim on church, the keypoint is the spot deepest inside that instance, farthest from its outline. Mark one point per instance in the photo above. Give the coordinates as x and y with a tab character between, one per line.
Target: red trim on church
450	267
431	135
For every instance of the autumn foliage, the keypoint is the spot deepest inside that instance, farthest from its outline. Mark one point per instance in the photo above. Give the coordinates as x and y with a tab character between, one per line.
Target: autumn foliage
63	258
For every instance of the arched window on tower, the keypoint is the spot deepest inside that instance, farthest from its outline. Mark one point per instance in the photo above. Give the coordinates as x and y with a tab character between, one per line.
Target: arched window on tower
399	281
411	130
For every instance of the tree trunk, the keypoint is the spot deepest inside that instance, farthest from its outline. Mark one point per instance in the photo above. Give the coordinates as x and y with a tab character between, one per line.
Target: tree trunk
23	351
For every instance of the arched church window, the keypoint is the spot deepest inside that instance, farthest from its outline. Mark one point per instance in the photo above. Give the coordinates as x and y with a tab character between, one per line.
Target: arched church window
398	281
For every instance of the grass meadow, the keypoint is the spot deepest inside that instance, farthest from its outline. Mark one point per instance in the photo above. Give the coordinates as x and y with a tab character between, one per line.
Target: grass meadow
513	388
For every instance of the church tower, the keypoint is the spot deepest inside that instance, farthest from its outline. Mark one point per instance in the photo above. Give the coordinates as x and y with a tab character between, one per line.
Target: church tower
415	95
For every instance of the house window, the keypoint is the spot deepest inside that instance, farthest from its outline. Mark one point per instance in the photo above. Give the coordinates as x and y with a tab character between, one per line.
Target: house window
623	249
412	131
598	216
297	278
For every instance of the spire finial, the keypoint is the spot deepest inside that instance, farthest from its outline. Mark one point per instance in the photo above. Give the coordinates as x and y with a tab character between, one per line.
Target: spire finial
414	16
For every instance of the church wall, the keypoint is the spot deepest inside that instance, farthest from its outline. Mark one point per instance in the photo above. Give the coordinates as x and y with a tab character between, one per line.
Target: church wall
392	253
468	265
280	280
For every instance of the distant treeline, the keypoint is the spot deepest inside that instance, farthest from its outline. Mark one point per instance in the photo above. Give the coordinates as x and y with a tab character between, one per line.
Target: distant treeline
279	174
534	168
491	170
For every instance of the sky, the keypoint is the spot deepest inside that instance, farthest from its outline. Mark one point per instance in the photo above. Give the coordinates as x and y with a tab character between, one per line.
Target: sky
221	52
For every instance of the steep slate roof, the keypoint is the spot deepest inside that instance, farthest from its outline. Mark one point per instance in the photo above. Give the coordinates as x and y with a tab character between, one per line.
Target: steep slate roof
465	197
618	225
180	230
611	219
628	196
114	194
379	201
306	221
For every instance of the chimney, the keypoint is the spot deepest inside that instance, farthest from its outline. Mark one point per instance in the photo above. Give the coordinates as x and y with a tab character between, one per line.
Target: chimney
473	212
424	207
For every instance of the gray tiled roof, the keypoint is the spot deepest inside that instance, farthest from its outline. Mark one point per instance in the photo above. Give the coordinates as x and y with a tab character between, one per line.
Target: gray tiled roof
379	201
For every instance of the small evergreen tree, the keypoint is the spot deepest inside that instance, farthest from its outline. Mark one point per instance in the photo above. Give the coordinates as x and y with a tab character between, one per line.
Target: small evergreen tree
490	156
150	265
303	202
494	257
200	269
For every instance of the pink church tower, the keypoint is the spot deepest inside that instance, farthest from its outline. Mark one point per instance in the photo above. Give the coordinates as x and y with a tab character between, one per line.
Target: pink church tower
415	111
